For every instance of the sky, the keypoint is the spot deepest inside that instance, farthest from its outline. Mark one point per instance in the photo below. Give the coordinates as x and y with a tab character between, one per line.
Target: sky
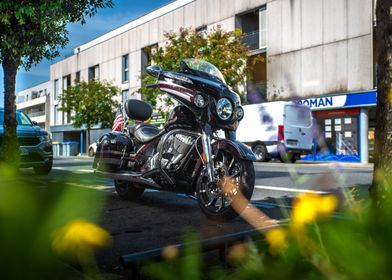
106	20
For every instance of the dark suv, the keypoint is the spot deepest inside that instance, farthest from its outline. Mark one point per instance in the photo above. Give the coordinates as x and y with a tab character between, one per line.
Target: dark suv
35	144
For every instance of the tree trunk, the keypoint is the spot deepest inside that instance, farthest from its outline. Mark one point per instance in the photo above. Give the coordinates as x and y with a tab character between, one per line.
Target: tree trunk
10	140
383	133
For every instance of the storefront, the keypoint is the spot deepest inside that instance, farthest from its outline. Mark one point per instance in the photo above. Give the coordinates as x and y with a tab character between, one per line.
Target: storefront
344	126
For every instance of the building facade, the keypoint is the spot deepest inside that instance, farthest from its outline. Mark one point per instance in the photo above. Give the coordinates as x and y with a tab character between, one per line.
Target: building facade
35	102
309	49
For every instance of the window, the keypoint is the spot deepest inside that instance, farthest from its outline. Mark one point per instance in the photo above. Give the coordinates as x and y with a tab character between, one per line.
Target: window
125	95
257	79
125	68
55	115
66	82
77	77
56	89
23	119
254	25
146	57
202	30
93	73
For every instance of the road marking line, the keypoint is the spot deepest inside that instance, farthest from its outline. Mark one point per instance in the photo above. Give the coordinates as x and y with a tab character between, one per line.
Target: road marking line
85	170
282	189
74	170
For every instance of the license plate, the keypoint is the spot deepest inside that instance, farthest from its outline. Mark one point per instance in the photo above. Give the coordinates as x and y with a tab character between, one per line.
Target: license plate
292	142
24	152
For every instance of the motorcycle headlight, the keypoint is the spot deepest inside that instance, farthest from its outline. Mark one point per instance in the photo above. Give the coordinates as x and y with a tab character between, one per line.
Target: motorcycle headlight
44	138
224	108
199	101
240	113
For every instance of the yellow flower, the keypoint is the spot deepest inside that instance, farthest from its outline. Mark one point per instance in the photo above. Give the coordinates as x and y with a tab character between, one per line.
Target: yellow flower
277	240
308	207
237	253
79	238
170	252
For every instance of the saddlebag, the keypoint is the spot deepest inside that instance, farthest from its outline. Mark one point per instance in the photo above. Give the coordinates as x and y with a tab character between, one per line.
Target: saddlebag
112	150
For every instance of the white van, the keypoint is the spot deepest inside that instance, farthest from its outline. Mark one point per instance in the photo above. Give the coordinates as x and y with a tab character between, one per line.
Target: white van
277	129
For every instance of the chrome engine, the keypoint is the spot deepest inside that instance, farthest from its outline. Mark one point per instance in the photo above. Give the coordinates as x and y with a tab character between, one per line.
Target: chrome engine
172	151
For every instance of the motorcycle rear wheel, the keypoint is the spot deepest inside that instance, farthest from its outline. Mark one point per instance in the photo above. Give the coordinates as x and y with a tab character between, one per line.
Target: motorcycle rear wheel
128	190
227	198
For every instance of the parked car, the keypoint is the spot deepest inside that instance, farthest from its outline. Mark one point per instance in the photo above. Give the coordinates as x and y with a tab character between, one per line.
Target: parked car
277	130
35	144
92	149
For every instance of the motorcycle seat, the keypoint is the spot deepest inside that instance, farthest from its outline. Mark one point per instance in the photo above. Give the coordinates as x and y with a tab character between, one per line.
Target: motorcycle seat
145	132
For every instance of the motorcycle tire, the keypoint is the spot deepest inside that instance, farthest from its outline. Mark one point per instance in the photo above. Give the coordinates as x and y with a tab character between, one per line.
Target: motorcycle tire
127	190
240	202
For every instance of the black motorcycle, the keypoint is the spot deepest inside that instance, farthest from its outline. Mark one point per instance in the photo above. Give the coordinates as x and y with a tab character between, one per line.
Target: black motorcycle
195	153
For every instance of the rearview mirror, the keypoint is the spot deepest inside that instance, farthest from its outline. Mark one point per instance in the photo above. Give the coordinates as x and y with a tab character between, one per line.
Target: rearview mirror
153	70
34	123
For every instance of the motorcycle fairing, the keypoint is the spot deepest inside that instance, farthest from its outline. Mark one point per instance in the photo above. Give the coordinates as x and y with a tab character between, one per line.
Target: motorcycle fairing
237	148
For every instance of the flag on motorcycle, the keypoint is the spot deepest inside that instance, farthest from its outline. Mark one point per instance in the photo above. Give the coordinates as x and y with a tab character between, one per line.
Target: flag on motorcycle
118	121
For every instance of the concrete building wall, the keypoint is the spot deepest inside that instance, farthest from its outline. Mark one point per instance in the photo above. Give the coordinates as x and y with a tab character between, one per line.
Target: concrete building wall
317	47
314	47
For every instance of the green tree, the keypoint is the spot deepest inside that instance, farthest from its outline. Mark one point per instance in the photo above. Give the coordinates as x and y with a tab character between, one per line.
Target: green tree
31	30
223	49
90	104
383	132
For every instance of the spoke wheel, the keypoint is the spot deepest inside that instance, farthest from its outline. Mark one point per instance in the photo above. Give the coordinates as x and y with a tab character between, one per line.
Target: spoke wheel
229	195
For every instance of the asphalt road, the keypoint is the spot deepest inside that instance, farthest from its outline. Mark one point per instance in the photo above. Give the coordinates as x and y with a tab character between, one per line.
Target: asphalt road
159	219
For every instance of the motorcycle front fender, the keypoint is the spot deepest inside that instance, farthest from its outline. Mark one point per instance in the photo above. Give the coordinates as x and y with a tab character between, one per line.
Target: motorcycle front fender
236	148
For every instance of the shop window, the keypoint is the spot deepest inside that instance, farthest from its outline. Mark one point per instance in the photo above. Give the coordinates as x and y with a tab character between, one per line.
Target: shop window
337	135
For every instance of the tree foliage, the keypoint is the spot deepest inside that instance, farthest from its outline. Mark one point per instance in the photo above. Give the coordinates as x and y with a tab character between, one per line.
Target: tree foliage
221	48
31	30
90	103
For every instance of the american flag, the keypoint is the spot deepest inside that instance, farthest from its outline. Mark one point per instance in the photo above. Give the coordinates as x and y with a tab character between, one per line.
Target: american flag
118	121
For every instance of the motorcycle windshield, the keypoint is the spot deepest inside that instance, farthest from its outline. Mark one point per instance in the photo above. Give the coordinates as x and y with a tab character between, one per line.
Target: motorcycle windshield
204	66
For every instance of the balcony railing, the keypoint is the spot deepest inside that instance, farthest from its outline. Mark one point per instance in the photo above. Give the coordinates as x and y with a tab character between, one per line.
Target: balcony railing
36	114
255	40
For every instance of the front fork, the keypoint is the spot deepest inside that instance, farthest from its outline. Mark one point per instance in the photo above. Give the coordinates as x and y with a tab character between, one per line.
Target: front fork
207	149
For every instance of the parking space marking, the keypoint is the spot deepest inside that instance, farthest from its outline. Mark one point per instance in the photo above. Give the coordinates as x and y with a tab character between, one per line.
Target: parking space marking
283	189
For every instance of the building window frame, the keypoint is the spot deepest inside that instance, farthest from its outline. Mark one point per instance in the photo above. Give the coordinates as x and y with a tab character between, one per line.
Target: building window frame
124	95
125	68
77	77
56	89
93	73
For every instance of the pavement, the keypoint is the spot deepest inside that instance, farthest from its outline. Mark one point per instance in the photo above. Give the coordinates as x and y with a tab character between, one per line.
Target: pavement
159	219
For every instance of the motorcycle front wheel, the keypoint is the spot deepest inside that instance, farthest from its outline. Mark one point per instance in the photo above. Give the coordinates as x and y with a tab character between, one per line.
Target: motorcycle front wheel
229	195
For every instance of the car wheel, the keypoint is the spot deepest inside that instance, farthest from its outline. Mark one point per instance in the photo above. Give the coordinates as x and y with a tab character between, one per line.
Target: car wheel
260	152
44	169
91	152
288	158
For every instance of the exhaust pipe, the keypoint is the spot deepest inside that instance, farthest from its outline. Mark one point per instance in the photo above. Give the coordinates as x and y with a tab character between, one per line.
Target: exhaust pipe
130	177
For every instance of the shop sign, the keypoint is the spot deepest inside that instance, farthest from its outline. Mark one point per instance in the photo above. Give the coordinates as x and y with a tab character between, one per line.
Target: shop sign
341	101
